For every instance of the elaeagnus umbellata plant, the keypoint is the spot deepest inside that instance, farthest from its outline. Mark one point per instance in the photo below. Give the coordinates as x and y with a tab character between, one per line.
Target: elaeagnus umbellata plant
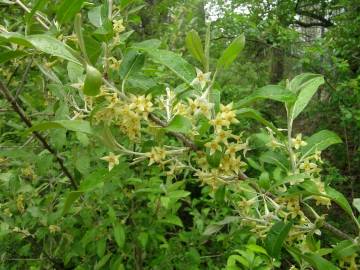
135	163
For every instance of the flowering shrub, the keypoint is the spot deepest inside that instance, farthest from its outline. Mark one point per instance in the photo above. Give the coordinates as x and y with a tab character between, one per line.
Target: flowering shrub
161	174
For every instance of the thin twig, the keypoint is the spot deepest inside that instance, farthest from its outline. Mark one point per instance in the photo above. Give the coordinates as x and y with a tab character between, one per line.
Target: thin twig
24	77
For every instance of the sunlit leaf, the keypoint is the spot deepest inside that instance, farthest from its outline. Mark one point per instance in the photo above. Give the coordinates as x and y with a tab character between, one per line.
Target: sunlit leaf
231	52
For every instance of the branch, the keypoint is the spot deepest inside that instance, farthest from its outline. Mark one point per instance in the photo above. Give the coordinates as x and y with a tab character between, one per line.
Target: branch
312	24
24	77
181	137
323	21
16	107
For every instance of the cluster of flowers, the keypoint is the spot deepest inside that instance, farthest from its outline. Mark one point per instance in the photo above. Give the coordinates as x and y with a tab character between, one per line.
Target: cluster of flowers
131	115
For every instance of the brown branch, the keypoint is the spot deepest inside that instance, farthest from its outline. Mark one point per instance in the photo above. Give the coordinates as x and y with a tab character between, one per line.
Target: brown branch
16	107
324	22
315	16
181	137
312	24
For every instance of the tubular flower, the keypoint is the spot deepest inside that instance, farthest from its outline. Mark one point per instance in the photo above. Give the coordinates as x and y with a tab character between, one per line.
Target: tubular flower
20	203
223	136
156	155
219	122
201	78
112	159
298	142
142	104
118	26
230	117
54	229
213	146
308	166
226	108
233	148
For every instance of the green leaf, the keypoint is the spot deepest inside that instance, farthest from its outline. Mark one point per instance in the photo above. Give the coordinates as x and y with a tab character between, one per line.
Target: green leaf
306	92
177	194
275	158
70	199
274	92
73	125
43	43
214	159
75	72
295	178
68	9
96	16
216	227
254	114
93	181
148	44
276	237
318	262
212	229
179	124
172	219
93	81
256	249
320	141
15	38
52	46
132	62
339	198
345	248
119	235
194	45
171	60
231	52
300	81
8	55
102	261
356	204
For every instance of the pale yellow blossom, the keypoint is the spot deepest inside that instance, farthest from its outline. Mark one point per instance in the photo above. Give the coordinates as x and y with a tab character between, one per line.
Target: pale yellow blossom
201	78
298	142
156	155
112	159
213	146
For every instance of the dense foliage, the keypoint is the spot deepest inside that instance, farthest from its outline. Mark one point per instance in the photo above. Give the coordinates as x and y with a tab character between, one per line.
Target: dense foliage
179	134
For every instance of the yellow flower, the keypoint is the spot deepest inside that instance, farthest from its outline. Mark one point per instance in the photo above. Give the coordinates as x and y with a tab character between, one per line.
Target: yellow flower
317	156
223	135
229	117
114	63
205	109
54	229
193	105
142	104
219	122
201	78
213	146
20	203
118	26
226	108
112	159
233	148
320	200
308	166
156	155
273	144
180	109
298	142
